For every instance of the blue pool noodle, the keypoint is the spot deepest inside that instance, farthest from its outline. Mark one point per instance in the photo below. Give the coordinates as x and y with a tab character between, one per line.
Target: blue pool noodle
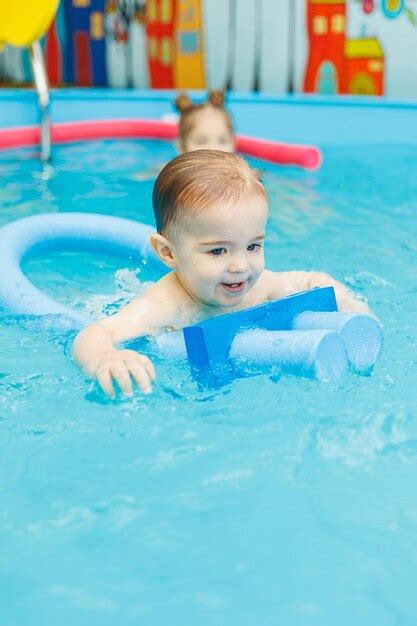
42	234
361	334
209	341
317	354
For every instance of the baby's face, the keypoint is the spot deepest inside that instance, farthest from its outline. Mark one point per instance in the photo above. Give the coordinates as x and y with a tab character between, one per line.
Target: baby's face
219	255
210	131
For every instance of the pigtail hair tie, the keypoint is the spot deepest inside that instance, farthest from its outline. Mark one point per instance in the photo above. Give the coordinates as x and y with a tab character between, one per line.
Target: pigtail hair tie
216	97
183	103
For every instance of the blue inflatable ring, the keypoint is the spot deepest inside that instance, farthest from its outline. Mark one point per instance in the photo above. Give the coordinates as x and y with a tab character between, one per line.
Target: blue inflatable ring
41	234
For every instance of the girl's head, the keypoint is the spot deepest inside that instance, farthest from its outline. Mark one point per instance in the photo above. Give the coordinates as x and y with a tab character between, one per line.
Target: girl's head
210	209
207	125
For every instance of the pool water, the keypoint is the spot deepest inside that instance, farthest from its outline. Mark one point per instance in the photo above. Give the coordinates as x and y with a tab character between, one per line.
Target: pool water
271	501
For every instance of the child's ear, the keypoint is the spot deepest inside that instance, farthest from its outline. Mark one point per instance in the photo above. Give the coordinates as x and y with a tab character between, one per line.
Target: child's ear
180	146
163	248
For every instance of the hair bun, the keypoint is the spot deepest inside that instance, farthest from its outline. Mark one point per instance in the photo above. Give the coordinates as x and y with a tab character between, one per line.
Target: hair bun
216	98
183	103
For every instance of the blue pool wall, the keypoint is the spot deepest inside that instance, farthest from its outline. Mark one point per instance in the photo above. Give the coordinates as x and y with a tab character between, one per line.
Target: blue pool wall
319	120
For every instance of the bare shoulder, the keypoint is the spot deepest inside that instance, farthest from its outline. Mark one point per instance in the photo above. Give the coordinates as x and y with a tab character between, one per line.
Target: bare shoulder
155	310
281	284
166	288
160	302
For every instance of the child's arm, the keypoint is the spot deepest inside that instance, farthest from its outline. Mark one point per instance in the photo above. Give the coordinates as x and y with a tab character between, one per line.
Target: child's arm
95	349
284	284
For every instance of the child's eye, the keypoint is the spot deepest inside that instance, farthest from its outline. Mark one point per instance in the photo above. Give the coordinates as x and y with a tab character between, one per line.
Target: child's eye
217	251
254	246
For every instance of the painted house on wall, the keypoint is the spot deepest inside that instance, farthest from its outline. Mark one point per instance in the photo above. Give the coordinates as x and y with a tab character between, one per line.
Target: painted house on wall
160	31
326	29
175	44
189	53
336	64
364	67
86	64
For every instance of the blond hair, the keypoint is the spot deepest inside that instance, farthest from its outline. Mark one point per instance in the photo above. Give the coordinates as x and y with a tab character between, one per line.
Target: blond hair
194	181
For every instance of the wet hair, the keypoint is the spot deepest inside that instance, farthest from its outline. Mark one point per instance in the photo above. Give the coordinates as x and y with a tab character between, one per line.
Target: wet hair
194	181
188	111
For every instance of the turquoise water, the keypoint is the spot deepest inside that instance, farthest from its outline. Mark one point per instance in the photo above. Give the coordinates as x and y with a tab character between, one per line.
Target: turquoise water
283	501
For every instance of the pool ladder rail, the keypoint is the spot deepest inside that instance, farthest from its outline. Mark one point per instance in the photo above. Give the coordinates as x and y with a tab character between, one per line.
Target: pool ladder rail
40	78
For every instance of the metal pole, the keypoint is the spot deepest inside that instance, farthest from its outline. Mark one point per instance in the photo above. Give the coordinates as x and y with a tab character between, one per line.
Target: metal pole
41	83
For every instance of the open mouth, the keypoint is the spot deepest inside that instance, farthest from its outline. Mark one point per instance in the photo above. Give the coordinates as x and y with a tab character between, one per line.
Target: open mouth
234	287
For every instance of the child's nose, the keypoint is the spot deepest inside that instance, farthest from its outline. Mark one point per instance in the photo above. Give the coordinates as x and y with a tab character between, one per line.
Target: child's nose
238	264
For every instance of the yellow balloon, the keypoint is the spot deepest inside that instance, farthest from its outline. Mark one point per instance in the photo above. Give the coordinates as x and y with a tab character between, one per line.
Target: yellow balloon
24	21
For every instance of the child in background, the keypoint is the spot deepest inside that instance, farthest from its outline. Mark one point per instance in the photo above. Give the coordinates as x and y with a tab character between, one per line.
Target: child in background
204	126
210	210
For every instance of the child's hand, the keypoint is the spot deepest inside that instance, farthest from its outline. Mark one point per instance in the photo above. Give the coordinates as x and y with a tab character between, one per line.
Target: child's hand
122	366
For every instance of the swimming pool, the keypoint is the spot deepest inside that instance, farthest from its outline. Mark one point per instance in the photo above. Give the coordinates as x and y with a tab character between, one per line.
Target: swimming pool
274	500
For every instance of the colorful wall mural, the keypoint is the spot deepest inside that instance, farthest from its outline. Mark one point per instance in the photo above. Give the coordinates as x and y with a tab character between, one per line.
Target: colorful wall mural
357	47
335	63
360	47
